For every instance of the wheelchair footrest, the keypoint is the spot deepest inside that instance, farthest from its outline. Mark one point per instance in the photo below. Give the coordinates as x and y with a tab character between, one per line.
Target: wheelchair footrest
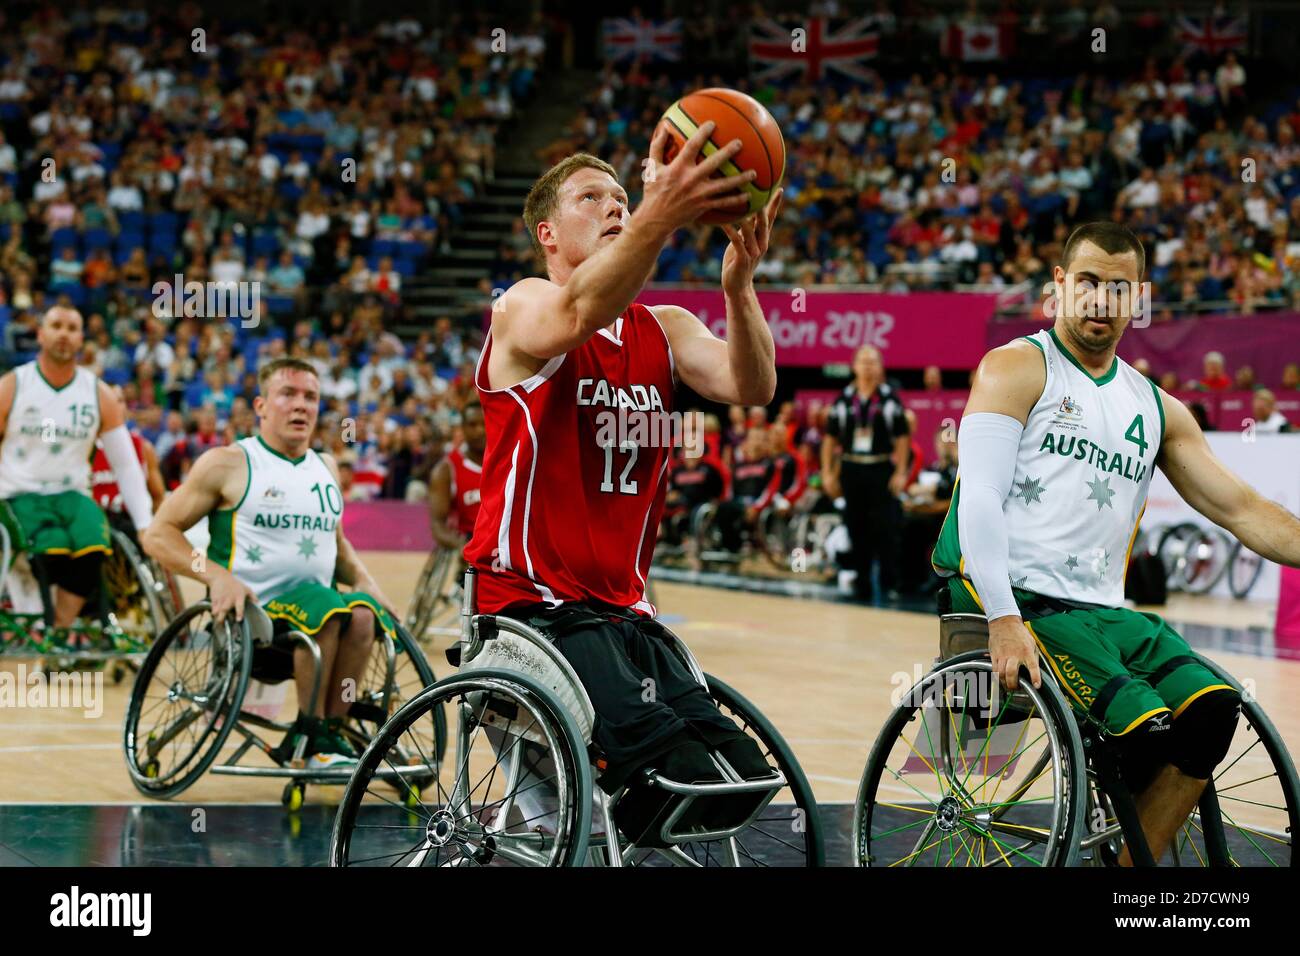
656	810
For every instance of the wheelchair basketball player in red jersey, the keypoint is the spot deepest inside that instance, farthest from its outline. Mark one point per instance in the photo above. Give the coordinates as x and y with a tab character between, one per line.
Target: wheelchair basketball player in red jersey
568	519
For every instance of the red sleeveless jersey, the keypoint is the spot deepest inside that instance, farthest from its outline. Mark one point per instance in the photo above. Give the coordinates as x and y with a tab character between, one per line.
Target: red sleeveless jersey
466	477
103	483
563	518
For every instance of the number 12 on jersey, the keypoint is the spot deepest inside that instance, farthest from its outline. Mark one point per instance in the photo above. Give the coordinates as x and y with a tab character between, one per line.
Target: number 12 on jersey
625	487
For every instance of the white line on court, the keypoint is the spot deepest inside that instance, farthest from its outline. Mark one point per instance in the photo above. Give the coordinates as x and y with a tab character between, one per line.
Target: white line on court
38	748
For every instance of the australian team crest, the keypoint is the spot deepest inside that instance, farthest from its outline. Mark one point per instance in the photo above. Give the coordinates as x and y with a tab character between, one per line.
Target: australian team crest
1069	410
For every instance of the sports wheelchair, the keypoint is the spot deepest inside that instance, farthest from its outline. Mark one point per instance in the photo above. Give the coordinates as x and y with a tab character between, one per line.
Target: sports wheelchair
520	789
966	774
434	610
130	608
191	694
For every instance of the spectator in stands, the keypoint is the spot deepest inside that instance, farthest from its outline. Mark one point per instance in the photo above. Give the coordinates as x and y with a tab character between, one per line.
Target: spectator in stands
287	279
1244	380
65	271
386	282
1214	378
173	434
1264	410
154	349
1291	376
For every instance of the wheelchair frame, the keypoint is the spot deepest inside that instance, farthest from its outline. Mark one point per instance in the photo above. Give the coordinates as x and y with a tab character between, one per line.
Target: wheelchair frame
256	631
609	848
110	639
479	628
963	638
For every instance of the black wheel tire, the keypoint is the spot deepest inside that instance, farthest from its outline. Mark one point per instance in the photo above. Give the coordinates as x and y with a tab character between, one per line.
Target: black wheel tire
235	688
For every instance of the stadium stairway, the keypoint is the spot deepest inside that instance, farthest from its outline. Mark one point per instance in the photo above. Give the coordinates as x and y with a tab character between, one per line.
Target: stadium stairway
449	284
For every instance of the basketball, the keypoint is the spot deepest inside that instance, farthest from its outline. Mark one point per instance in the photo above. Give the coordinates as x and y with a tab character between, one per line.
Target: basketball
736	116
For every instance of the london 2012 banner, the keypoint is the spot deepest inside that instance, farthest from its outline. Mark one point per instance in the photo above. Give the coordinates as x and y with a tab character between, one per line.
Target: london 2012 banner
813	328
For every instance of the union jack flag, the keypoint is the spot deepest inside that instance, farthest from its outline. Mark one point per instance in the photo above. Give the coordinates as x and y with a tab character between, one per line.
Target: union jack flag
626	38
775	50
1212	35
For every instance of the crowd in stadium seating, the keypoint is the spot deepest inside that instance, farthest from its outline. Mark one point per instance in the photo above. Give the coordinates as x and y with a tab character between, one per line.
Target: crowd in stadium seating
973	178
322	162
127	158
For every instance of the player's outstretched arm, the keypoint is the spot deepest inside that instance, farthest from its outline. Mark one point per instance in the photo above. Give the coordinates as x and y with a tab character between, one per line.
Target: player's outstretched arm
742	369
1007	383
536	317
1209	486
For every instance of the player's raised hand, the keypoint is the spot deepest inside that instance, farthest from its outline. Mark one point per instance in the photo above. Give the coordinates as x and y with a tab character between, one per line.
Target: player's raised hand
749	243
678	193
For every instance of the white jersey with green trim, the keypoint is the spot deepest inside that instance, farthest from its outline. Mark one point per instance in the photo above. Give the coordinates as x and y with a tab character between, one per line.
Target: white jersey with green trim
1082	472
50	434
282	532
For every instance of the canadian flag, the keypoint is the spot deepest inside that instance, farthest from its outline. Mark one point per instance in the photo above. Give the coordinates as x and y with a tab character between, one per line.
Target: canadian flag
981	41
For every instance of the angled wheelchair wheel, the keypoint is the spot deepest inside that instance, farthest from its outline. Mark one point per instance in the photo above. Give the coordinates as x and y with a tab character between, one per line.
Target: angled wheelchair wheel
516	792
774	537
185	700
787	832
133	595
1258	796
6	556
1244	569
1206	560
434	603
965	774
168	589
1172	547
390	681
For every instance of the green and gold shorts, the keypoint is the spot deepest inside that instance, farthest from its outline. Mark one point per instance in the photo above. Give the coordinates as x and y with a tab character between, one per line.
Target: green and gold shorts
1118	667
308	606
67	523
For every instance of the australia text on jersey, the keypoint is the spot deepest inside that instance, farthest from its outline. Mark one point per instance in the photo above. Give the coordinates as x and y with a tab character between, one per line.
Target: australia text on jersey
634	416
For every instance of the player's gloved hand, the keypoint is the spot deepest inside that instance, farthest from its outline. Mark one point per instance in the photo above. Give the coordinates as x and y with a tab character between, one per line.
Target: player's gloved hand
1011	646
227	594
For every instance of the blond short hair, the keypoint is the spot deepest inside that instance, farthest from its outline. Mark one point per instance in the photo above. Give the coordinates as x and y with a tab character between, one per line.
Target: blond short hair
275	365
542	198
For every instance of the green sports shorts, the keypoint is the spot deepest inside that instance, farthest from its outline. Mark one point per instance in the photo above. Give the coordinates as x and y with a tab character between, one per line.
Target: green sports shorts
67	523
1118	667
308	606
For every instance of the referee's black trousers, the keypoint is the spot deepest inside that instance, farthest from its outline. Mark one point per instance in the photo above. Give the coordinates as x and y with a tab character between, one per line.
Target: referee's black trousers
873	517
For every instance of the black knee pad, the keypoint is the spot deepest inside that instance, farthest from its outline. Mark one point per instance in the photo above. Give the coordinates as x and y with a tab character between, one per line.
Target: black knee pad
1144	750
1203	732
81	575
